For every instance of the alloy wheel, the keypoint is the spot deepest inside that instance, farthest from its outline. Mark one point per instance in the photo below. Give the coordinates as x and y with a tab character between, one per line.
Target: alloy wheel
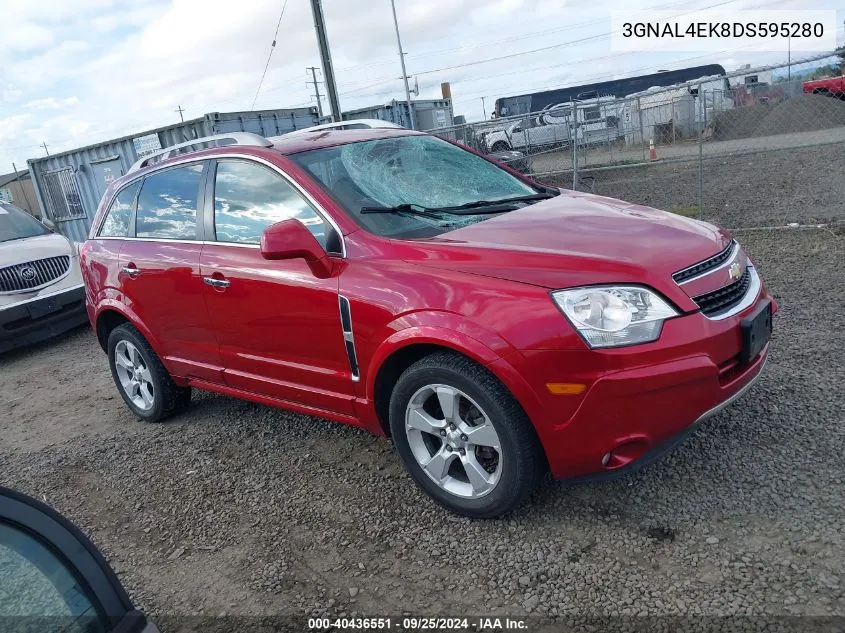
453	441
134	375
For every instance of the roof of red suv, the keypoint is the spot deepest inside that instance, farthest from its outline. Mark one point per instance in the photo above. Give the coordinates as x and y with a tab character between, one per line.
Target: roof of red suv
303	141
290	143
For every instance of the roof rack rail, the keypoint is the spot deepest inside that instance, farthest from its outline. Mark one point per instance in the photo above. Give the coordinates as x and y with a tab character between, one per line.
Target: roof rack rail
232	138
350	124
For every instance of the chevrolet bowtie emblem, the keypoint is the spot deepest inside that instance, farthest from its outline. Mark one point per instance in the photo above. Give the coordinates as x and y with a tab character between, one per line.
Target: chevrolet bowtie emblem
735	271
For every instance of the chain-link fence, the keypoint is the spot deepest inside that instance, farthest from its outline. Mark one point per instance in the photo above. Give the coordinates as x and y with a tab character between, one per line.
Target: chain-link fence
768	135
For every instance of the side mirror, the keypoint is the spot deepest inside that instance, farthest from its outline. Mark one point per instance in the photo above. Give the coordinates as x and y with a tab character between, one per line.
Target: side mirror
48	223
54	575
516	130
289	239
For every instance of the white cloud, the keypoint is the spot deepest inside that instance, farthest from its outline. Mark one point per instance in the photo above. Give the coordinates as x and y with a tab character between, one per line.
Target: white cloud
25	37
10	95
51	103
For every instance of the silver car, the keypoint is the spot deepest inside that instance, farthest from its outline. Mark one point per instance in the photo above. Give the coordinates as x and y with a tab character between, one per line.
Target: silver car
41	291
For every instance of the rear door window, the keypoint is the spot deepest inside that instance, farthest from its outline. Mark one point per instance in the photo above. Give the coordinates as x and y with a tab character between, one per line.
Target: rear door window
249	197
119	216
167	205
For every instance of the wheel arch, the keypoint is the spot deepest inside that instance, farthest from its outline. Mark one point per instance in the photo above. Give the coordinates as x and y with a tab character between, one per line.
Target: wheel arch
406	347
112	314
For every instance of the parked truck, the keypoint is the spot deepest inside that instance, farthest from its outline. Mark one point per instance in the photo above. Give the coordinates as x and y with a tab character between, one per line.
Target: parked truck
829	86
595	121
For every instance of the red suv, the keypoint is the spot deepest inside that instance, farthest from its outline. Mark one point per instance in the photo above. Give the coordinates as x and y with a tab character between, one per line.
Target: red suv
495	328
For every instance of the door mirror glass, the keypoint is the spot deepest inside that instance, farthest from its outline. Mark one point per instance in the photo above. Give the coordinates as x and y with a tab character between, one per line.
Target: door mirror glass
37	588
289	239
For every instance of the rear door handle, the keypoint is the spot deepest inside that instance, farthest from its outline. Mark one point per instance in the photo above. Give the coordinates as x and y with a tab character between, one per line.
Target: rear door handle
216	283
131	271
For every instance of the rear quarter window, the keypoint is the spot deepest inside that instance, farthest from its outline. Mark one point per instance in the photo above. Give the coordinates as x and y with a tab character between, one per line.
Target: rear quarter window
119	216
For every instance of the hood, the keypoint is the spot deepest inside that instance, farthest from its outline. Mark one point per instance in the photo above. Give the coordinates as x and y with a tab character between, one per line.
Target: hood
577	239
31	248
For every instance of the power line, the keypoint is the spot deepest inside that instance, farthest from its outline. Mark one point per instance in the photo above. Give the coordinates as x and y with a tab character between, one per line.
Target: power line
269	55
575	26
356	87
594	78
386	79
547	48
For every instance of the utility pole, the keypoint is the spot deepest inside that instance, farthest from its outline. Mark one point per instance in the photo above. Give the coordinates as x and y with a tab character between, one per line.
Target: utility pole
180	111
404	73
316	83
789	58
484	108
326	57
44	145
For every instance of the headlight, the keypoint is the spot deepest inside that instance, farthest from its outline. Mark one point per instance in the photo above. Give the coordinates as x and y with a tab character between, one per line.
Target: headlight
611	316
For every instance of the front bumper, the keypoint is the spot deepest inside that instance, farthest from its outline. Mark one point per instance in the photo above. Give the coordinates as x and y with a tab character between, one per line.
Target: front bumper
630	464
638	402
42	317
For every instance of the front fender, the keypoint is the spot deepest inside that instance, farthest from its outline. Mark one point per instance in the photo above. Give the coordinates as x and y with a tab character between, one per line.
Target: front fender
451	331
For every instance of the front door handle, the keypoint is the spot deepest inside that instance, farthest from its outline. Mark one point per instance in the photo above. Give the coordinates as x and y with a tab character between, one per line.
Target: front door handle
216	283
132	271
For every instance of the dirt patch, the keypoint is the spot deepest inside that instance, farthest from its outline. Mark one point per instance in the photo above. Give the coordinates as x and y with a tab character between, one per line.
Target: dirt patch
804	113
803	185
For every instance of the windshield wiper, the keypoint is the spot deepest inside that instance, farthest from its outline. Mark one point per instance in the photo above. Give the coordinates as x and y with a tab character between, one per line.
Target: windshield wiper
413	209
477	207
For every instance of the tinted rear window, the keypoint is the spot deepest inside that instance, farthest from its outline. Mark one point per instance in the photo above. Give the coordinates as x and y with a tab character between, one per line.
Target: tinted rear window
167	206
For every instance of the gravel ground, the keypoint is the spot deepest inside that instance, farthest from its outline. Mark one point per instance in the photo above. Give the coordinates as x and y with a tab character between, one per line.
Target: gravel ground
241	509
804	186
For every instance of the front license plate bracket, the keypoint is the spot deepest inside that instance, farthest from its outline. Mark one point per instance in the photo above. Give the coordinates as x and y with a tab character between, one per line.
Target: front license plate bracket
40	309
756	330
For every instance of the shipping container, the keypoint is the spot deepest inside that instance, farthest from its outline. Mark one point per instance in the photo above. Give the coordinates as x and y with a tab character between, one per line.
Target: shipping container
69	185
431	114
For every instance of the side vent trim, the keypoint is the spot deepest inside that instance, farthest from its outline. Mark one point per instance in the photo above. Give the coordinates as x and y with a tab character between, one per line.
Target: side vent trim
348	338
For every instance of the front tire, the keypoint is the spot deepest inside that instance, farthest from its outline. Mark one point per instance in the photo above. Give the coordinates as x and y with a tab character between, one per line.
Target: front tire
141	378
500	146
463	437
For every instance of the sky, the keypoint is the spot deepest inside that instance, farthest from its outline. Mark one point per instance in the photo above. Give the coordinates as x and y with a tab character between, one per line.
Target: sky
81	72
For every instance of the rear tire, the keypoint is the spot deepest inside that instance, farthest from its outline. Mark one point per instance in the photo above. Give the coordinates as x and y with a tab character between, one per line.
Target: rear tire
463	437
141	378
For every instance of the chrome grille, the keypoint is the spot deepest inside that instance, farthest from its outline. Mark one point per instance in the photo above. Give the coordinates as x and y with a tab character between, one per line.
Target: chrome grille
34	274
723	299
705	266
